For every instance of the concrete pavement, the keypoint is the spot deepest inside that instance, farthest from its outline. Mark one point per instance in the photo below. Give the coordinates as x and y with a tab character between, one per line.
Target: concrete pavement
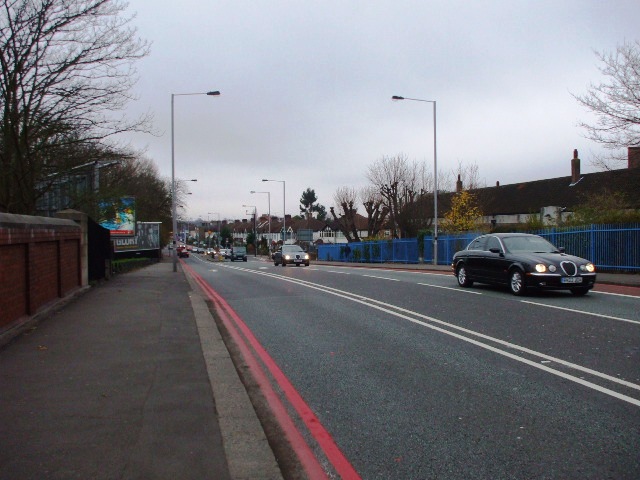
131	380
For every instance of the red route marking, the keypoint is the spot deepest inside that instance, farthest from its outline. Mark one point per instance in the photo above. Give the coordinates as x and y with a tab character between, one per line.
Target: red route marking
621	289
342	466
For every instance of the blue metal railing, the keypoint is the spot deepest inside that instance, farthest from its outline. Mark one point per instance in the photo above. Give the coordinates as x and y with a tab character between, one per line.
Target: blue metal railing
609	247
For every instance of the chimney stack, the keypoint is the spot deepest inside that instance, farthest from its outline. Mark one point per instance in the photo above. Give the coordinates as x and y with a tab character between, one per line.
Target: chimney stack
633	155
575	167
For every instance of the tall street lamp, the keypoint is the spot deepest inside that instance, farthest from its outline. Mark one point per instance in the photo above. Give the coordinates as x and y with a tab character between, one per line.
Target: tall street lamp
173	175
435	176
269	200
284	208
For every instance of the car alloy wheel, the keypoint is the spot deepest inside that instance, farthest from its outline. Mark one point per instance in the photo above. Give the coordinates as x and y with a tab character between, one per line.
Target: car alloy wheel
463	279
516	282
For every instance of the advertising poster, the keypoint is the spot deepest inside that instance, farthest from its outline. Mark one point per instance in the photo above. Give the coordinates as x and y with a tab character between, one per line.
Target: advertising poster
146	238
119	216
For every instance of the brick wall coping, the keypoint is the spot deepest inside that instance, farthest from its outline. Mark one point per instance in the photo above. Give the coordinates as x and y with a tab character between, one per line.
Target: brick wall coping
12	220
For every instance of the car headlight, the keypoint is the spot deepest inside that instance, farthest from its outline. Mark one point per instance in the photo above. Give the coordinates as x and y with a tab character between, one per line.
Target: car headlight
306	256
540	268
287	257
589	267
552	268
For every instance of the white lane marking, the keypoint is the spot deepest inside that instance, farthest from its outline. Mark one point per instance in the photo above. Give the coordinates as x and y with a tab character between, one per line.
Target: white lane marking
614	294
582	312
450	288
337	271
382	278
386	307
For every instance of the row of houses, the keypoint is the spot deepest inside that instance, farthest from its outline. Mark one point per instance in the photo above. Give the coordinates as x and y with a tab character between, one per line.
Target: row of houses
551	200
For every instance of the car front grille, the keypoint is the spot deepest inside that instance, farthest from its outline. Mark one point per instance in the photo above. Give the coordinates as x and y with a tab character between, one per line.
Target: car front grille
569	268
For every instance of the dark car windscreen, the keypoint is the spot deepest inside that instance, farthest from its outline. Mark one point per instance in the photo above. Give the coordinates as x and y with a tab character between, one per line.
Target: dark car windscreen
528	244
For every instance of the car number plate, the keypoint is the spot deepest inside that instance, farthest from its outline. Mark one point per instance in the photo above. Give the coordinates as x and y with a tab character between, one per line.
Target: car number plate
571	280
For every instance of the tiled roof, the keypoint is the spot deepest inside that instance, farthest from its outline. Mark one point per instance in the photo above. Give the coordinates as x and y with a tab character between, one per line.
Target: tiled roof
529	197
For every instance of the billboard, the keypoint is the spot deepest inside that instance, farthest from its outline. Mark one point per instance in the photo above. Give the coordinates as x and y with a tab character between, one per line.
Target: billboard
146	238
119	216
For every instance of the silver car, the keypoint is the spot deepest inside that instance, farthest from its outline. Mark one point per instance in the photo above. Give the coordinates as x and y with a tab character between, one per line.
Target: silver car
291	254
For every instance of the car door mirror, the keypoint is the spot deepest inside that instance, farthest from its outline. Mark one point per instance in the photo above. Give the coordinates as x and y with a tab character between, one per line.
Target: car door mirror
561	249
495	250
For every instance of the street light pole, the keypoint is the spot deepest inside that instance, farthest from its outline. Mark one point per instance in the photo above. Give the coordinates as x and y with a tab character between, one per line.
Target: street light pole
284	209
269	200
173	175
435	176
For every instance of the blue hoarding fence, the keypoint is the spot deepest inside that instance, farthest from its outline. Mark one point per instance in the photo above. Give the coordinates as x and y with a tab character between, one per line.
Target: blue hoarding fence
609	247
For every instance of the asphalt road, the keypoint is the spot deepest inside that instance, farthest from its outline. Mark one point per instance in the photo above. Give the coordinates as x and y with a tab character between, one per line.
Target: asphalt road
415	378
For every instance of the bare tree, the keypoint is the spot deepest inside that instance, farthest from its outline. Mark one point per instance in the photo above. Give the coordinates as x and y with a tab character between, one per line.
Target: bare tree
399	182
469	175
375	208
615	103
345	199
67	67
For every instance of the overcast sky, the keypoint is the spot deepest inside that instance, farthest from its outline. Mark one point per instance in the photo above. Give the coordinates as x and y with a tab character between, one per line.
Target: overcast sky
306	90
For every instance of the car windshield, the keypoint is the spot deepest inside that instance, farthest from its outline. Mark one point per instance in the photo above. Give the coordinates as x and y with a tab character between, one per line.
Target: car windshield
292	249
528	244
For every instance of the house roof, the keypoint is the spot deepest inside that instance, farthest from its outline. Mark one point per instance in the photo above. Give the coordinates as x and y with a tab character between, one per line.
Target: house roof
529	197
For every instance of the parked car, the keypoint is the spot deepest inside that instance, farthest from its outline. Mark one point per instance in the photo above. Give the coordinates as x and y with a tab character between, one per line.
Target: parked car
238	253
293	254
522	261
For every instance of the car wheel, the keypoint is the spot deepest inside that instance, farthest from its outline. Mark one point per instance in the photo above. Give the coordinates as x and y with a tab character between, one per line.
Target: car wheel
284	264
275	263
579	292
516	282
463	279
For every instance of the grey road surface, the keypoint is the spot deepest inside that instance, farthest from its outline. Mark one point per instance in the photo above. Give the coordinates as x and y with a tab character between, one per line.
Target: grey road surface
416	378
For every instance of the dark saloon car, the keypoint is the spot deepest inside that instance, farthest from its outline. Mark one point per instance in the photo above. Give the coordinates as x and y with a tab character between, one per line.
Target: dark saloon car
290	254
522	261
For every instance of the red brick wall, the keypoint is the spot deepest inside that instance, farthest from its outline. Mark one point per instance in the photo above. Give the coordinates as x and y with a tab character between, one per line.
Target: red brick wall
13	282
39	263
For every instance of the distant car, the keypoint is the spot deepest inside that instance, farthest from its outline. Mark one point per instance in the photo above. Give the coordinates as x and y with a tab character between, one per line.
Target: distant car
182	252
522	261
209	251
238	253
290	254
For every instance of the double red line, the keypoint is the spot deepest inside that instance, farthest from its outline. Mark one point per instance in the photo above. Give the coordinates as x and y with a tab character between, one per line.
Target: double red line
254	353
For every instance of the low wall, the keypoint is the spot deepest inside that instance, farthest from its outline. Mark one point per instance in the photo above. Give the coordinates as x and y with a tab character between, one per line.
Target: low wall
40	263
